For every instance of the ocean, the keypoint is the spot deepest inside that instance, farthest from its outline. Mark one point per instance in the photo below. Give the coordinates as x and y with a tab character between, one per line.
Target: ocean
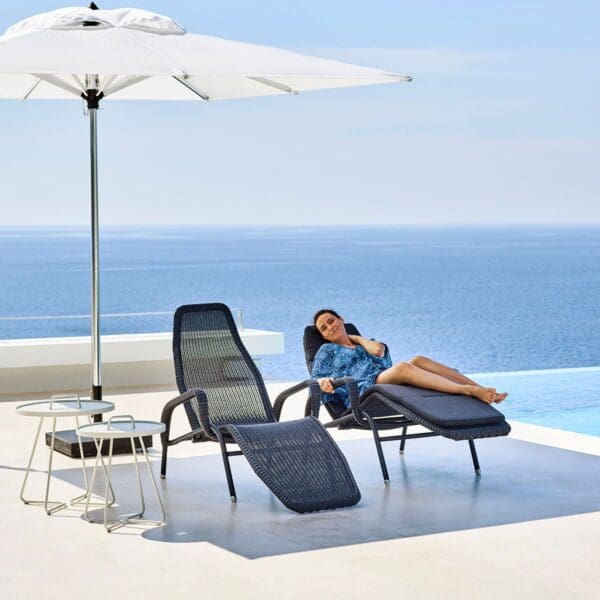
480	299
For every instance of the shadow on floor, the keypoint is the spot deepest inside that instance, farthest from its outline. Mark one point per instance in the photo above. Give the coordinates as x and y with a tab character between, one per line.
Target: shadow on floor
433	490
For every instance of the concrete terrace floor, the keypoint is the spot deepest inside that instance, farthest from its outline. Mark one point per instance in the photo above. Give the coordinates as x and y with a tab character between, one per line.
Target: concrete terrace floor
529	527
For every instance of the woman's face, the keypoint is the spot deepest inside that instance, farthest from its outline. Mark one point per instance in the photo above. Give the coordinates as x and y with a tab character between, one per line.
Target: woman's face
331	327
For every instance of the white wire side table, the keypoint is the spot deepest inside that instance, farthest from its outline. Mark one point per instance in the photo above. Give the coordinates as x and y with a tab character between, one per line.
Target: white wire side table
60	406
118	427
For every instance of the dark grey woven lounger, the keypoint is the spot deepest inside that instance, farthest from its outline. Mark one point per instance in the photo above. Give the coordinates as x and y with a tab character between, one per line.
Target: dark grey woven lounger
383	407
226	401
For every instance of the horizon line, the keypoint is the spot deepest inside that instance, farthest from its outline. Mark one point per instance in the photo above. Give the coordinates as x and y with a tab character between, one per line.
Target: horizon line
312	225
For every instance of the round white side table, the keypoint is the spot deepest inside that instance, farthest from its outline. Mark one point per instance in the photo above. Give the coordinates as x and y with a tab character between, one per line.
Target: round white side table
58	407
123	426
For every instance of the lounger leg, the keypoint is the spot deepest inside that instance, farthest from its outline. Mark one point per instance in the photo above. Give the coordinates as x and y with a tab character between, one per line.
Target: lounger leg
384	471
163	460
474	457
225	456
403	442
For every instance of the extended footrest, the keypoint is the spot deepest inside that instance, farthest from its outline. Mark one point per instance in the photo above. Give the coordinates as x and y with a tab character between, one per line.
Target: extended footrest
299	462
452	416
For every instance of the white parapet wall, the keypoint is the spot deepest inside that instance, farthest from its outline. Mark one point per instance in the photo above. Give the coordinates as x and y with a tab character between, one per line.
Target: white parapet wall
50	365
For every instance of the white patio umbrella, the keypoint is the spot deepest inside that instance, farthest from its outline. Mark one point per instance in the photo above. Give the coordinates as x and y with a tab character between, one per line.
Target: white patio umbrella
132	54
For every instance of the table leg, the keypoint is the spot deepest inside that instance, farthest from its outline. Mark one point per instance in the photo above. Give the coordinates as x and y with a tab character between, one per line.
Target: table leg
90	487
98	444
136	517
50	457
85	477
35	442
79	499
93	480
162	508
108	484
45	501
137	472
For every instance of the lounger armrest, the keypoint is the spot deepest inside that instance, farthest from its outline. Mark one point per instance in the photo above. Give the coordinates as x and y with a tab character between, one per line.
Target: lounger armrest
353	394
313	404
208	427
170	406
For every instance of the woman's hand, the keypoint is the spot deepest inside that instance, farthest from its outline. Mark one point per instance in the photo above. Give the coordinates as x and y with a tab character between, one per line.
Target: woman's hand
326	385
371	346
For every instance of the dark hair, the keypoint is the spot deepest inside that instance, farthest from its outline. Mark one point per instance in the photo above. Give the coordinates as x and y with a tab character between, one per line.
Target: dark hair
324	311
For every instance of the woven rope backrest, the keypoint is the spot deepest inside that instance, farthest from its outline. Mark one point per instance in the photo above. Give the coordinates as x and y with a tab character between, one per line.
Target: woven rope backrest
210	355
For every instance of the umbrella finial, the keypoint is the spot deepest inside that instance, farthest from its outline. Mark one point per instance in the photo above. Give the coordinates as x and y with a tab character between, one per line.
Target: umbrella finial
92	6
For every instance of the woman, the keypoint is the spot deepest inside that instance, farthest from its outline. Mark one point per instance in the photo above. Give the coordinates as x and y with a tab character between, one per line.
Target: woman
369	362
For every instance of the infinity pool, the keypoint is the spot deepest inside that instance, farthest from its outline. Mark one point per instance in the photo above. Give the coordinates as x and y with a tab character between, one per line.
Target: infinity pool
559	398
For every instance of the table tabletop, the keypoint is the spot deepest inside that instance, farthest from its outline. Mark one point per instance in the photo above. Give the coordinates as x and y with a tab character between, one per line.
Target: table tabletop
64	408
120	429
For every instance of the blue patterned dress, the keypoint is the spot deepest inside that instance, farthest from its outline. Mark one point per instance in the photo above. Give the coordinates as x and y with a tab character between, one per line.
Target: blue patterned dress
333	360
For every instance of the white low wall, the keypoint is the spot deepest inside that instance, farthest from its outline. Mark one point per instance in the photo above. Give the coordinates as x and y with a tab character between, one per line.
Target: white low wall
63	364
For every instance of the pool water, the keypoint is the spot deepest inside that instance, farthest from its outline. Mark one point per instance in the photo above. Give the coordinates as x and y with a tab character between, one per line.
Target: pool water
559	398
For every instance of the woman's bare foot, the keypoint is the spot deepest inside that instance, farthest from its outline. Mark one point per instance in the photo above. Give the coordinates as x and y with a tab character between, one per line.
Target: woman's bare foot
500	397
486	395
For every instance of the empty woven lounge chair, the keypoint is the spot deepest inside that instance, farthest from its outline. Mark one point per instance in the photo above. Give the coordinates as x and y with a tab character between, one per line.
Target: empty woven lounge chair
226	401
386	406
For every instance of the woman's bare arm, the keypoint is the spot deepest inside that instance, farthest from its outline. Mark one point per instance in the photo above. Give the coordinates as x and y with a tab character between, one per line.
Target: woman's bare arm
371	346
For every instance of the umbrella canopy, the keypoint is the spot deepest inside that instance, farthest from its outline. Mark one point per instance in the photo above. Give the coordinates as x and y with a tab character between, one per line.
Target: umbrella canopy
141	55
132	54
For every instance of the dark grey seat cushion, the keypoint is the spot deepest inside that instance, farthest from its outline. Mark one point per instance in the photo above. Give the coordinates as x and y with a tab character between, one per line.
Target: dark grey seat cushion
444	410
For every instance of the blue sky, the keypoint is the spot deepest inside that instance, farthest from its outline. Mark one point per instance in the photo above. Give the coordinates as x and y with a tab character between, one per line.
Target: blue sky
500	125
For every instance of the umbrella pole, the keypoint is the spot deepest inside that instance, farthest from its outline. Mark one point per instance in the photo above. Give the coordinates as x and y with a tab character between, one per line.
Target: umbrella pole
93	99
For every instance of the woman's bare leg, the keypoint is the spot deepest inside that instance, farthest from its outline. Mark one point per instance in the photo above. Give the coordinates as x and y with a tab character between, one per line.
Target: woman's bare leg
427	364
406	372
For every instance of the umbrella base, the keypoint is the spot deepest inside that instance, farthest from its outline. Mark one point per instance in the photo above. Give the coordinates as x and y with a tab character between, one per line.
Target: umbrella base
66	443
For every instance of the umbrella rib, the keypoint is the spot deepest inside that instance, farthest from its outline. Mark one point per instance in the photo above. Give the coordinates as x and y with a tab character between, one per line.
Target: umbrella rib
274	84
38	81
78	81
107	82
126	83
189	86
57	82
